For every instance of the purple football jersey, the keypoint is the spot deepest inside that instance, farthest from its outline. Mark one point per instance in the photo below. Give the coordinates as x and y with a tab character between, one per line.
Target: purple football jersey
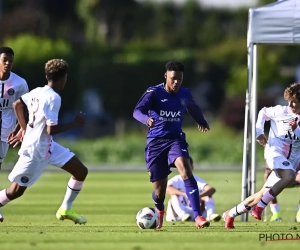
167	109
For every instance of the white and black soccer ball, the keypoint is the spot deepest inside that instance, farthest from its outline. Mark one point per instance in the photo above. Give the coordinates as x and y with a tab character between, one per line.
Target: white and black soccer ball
147	218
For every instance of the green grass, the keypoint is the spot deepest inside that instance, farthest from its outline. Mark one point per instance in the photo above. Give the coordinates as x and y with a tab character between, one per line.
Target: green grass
221	145
110	202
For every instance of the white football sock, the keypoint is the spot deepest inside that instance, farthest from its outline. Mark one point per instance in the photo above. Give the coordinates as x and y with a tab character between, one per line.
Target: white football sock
3	198
238	210
73	190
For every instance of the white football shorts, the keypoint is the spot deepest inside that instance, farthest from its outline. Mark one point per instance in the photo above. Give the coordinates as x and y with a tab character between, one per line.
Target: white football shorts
280	162
3	150
27	171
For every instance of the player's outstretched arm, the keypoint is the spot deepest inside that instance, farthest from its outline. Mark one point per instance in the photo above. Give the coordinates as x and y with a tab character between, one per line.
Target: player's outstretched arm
59	128
196	112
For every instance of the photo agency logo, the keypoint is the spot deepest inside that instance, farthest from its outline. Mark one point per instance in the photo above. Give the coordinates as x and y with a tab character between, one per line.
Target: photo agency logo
278	236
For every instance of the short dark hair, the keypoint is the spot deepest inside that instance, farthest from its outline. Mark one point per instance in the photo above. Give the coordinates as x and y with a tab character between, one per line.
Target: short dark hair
55	69
174	66
191	160
7	50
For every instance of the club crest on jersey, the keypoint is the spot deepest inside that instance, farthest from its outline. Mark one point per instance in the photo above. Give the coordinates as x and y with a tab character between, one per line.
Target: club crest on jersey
182	101
24	179
285	163
10	91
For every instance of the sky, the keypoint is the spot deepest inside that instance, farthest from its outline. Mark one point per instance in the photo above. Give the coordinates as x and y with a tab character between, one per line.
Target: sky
218	3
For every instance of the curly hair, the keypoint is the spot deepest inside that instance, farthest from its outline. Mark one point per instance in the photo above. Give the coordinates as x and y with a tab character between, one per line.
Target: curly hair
174	66
55	69
292	93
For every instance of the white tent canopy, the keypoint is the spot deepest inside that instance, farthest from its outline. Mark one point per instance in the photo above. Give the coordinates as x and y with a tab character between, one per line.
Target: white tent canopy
276	23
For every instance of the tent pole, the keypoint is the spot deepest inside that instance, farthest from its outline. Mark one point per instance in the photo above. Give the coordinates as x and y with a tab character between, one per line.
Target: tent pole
246	146
253	123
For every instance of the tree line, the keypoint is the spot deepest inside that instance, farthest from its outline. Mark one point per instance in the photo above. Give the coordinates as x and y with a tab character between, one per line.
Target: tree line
120	47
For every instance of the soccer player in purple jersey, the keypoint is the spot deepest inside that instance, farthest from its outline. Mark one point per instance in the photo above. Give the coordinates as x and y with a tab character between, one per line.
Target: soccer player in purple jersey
161	109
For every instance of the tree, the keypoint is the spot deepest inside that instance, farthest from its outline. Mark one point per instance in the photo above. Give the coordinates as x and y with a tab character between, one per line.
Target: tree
106	20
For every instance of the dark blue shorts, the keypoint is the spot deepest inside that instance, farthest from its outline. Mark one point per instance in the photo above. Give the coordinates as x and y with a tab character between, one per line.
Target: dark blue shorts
160	155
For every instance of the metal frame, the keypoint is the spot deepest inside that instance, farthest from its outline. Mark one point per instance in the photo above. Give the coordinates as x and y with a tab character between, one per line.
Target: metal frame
249	147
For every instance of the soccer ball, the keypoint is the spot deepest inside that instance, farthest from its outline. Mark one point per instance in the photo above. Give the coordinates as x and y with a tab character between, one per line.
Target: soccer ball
147	218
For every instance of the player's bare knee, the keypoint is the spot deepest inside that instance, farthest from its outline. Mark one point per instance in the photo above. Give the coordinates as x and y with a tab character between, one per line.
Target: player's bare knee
289	178
83	171
76	168
80	173
184	168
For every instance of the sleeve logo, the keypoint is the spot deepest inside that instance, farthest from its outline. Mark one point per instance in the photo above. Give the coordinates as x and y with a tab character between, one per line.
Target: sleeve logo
182	101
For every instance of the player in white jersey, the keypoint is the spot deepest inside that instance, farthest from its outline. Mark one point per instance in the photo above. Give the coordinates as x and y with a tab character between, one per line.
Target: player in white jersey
38	149
12	87
282	154
179	208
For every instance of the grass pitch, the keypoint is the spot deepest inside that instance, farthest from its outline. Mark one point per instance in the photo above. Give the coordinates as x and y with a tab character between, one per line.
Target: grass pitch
110	202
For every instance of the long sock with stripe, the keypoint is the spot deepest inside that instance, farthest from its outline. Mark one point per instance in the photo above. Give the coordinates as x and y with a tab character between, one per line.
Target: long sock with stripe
239	209
267	197
192	191
3	198
73	190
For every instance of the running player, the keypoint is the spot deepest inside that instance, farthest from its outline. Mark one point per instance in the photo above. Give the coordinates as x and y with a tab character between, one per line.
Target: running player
282	153
38	149
161	109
